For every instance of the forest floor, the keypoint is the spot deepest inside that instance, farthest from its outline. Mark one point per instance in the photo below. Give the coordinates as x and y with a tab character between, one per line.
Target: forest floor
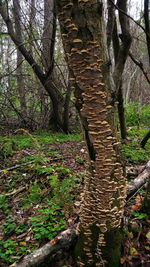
41	177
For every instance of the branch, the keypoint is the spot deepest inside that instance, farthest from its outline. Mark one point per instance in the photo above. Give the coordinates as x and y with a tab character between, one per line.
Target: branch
27	55
140	65
139	181
127	15
145	139
64	241
16	167
15	192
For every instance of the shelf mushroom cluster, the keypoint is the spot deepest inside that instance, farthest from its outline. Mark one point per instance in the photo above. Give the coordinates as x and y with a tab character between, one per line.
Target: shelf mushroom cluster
105	185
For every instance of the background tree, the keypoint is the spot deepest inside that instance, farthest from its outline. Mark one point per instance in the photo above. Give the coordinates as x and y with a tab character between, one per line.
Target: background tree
42	70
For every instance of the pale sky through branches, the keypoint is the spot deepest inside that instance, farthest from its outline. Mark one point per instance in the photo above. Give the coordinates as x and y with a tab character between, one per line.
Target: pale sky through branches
135	8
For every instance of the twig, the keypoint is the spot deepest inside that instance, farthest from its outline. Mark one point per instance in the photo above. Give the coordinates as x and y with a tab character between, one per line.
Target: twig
16	166
140	65
17	191
128	199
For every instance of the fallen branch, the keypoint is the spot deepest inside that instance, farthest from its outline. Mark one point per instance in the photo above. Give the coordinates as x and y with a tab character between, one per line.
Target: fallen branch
17	191
16	166
134	170
140	180
65	240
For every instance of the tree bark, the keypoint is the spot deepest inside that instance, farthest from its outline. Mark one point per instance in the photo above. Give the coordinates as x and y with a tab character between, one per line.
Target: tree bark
146	205
110	23
145	139
121	114
139	180
66	109
147	24
19	71
49	33
105	186
125	46
43	256
120	54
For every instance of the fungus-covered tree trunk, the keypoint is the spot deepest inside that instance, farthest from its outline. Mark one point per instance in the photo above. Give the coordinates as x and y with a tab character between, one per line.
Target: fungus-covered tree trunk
100	232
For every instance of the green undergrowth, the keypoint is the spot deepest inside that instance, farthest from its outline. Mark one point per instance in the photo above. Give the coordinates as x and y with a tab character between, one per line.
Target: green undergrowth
132	151
137	115
10	144
137	121
37	196
51	169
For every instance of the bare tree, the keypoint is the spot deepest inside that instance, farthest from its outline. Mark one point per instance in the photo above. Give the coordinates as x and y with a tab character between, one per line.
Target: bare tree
43	72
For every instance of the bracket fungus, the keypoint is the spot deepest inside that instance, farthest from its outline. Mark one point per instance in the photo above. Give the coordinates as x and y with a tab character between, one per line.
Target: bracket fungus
105	186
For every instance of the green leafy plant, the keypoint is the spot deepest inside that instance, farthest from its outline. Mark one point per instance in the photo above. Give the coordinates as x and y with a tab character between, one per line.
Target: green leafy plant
137	114
62	172
33	196
7	147
21	229
48	223
132	151
7	250
9	226
4	204
80	160
132	114
140	216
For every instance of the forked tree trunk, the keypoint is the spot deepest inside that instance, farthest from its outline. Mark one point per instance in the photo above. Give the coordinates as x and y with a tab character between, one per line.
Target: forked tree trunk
100	232
44	77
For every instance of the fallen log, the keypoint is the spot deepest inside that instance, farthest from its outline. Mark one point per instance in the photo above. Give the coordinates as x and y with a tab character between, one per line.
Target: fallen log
139	181
41	257
134	171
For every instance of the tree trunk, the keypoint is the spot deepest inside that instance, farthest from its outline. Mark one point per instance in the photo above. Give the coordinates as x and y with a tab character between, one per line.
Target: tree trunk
48	41
145	139
121	114
105	186
147	25
66	110
121	111
55	121
49	32
146	205
19	71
